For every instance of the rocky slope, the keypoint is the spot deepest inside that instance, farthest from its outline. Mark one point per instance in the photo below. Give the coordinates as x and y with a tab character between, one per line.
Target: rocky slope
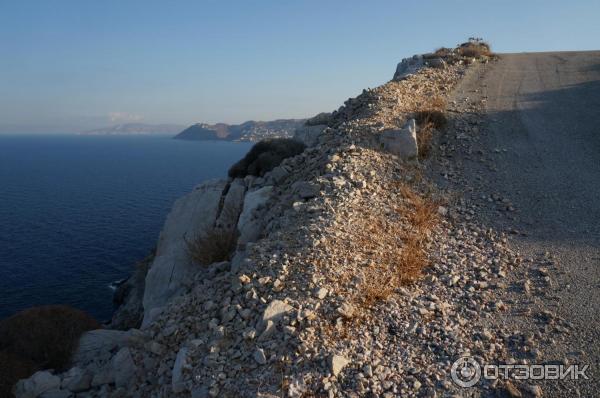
248	131
353	274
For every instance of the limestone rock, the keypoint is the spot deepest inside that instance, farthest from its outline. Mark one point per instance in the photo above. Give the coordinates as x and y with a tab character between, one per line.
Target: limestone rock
103	376
232	205
346	310
177	381
321	293
275	310
57	394
403	142
337	363
408	66
191	215
94	342
249	226
123	367
259	356
77	380
37	384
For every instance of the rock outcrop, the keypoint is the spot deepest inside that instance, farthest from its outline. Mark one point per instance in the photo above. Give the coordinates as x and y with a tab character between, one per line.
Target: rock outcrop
402	142
408	67
317	283
172	269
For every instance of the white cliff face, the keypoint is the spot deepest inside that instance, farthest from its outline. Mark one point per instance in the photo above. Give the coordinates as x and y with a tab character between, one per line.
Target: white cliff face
190	216
408	67
248	225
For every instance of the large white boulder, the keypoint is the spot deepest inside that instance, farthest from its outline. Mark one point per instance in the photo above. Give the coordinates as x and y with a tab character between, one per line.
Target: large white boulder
191	216
123	367
408	66
249	225
97	343
402	142
36	385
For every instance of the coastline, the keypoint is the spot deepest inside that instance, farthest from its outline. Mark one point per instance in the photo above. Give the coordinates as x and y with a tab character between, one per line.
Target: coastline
317	254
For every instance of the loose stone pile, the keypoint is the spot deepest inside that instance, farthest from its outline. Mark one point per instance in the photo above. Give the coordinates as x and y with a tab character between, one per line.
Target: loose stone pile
319	304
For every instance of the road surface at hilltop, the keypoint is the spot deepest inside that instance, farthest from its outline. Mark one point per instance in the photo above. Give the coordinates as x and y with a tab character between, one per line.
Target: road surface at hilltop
535	169
545	111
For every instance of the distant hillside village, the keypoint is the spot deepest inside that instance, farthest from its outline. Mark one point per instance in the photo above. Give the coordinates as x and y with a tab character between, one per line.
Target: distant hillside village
249	131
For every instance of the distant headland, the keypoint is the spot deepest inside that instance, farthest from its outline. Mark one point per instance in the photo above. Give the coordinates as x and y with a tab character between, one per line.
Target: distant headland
247	131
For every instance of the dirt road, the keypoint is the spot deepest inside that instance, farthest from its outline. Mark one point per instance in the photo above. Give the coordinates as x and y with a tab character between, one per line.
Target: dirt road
534	168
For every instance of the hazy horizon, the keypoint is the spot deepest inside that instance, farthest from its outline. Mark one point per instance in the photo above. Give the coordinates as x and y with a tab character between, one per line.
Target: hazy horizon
69	66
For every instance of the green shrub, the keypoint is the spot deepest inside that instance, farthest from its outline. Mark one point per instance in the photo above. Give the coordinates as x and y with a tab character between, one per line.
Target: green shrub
265	156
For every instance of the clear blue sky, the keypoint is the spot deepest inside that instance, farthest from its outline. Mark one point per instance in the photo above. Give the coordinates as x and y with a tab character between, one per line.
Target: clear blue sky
72	65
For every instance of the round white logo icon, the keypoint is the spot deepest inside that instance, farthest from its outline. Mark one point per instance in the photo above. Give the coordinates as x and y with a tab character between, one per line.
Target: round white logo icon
466	372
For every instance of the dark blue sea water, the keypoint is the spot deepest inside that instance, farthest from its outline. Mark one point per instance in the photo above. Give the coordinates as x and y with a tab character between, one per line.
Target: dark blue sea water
77	212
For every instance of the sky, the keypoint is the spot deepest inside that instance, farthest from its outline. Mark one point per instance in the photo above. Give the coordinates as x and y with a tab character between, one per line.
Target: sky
68	66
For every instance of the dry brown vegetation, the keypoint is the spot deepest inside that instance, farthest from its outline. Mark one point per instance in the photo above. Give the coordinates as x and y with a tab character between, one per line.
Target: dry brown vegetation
431	117
475	48
212	247
398	242
39	338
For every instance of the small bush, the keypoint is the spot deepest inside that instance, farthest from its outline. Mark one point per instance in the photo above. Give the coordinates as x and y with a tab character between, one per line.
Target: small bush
45	335
424	138
433	117
212	247
474	48
265	156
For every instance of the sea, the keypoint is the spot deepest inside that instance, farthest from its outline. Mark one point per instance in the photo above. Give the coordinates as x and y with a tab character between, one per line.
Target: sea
77	212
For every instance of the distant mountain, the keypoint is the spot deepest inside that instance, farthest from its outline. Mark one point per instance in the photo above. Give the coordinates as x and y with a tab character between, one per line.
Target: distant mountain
136	129
247	131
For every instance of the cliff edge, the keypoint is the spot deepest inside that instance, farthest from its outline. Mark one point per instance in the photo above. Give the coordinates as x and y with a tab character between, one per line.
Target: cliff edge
352	274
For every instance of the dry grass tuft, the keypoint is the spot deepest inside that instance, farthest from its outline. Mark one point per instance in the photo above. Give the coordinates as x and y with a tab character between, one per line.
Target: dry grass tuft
431	117
397	246
424	139
424	215
212	247
475	48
